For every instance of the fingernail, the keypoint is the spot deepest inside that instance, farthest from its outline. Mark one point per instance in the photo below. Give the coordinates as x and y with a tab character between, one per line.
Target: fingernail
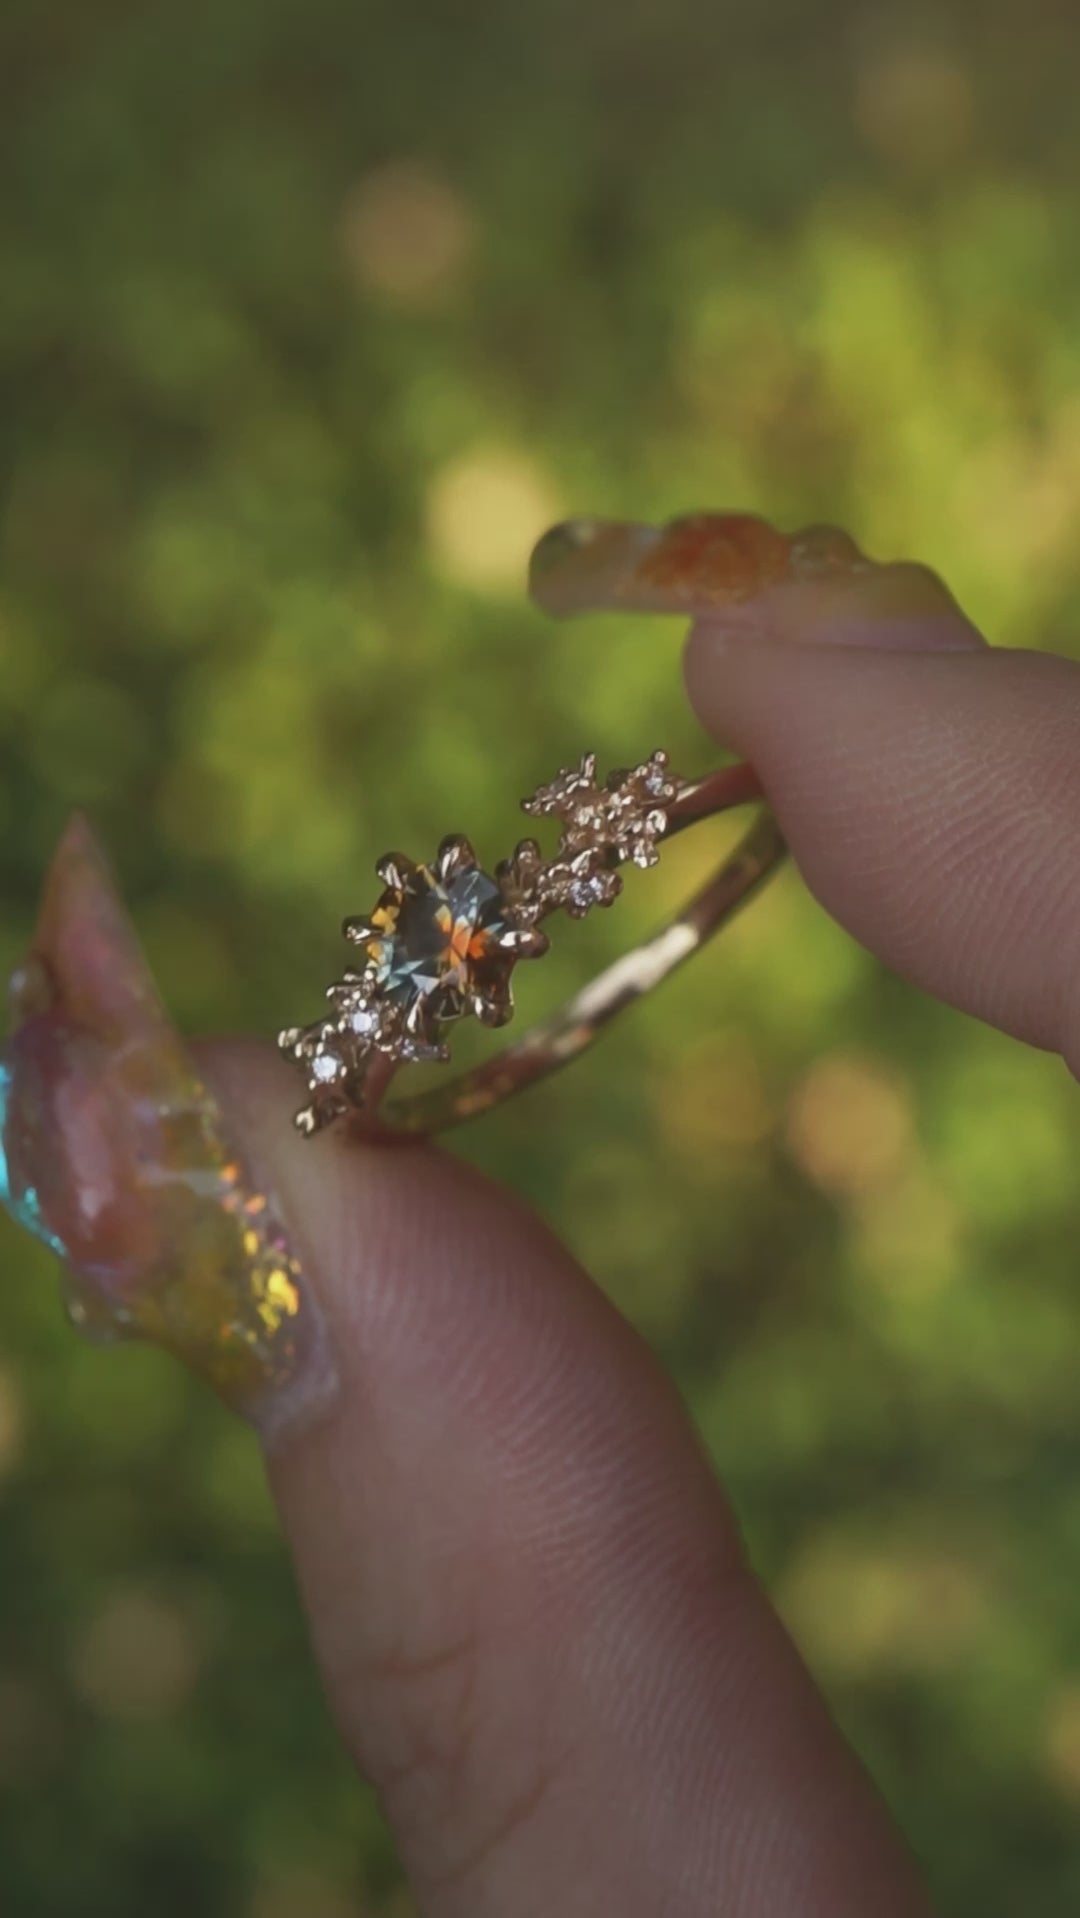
746	579
899	607
588	565
114	1153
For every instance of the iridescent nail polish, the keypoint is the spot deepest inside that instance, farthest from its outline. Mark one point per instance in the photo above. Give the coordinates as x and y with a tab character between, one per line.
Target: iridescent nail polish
114	1153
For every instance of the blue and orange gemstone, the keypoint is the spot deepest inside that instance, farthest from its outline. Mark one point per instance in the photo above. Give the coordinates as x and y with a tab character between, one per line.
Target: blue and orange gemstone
440	941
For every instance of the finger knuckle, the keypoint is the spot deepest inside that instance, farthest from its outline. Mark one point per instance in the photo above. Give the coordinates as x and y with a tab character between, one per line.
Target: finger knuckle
458	1781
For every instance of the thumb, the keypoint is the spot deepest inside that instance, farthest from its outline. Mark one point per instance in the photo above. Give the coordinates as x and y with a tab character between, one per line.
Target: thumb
527	1599
526	1590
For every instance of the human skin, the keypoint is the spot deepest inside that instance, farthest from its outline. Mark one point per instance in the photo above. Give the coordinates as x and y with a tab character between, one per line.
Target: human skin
526	1591
534	1621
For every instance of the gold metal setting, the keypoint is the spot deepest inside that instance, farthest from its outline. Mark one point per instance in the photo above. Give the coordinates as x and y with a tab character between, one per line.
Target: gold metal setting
444	939
442	942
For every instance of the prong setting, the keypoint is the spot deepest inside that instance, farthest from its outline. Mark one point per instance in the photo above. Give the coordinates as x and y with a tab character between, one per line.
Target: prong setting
394	869
455	855
443	940
524	942
359	931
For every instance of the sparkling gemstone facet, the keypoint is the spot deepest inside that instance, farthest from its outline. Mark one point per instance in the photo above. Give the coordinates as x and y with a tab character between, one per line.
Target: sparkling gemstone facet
438	938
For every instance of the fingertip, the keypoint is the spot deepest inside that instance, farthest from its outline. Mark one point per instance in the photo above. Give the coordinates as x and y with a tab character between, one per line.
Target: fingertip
924	794
901	608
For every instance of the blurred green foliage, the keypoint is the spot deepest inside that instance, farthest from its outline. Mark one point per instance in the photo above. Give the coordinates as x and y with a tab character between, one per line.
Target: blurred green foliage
311	317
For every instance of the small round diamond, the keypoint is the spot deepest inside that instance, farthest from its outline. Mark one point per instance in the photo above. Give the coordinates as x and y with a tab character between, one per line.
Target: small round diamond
327	1066
592	889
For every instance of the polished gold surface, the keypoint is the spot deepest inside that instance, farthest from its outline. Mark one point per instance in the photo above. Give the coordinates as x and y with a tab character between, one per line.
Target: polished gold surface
558	1040
443	940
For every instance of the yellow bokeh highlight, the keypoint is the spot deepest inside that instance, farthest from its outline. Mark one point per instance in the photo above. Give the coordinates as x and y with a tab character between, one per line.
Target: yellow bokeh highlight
868	1608
909	1235
1061	1741
851	1124
714	1099
485	510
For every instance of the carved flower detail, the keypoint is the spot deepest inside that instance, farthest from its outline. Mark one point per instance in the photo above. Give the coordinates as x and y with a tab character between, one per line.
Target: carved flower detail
444	938
564	794
611	823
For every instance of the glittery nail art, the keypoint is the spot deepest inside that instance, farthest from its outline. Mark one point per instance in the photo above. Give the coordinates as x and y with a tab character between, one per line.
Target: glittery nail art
114	1153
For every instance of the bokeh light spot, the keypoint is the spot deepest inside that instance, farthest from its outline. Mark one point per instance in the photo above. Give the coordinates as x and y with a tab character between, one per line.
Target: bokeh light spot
406	233
859	1608
909	1235
915	105
1061	1741
485	510
851	1124
138	1658
714	1099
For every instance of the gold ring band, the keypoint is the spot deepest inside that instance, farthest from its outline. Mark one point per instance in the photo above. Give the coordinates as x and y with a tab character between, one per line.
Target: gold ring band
444	938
